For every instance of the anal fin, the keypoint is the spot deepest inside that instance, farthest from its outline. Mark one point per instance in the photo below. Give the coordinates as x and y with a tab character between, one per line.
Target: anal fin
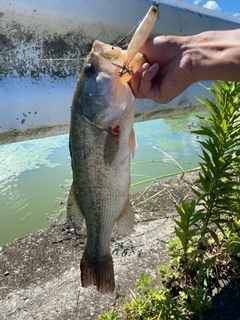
125	222
74	214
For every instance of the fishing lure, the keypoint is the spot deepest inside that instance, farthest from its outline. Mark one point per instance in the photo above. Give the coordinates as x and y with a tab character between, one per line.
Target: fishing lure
140	36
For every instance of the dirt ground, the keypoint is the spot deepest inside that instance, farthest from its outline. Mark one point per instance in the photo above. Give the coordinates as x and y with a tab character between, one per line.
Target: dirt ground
40	277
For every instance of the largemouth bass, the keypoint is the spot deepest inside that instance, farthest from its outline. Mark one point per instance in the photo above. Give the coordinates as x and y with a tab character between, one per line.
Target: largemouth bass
101	143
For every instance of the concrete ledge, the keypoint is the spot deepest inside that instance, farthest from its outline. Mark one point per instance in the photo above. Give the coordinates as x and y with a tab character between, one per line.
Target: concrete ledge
43	45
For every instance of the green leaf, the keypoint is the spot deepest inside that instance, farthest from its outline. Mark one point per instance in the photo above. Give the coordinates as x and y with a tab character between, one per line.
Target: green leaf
234	248
198	252
205	183
181	237
214	236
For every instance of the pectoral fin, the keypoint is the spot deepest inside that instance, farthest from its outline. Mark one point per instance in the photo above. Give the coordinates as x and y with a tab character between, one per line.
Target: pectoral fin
125	222
74	214
132	143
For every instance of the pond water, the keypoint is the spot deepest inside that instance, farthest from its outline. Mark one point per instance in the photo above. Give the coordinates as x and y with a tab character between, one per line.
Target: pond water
31	172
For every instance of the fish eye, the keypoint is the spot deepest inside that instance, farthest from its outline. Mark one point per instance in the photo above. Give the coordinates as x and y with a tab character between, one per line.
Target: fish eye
90	70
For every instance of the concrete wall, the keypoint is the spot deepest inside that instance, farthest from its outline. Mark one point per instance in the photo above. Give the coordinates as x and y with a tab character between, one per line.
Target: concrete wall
43	44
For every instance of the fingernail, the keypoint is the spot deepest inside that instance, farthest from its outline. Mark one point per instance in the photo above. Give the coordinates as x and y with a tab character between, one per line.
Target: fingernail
145	66
154	66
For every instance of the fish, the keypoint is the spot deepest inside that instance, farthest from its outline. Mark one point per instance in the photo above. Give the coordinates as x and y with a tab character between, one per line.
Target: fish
101	143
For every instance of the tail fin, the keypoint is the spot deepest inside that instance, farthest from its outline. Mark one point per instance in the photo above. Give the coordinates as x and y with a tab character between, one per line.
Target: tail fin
98	273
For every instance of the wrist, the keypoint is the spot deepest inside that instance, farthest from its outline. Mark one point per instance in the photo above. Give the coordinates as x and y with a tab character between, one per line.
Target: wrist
215	55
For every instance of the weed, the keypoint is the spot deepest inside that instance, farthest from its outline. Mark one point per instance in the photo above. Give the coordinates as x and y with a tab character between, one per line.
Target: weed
217	181
111	315
151	303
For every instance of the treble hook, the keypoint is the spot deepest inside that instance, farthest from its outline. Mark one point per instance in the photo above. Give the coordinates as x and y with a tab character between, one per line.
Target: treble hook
123	70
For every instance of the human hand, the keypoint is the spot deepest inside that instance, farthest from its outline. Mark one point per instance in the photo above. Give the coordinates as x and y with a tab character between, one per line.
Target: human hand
168	71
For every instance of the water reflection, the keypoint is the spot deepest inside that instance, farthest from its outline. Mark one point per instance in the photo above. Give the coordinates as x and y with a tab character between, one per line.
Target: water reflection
31	172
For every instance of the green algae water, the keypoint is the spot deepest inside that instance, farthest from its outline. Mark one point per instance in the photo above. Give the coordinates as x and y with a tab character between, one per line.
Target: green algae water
31	172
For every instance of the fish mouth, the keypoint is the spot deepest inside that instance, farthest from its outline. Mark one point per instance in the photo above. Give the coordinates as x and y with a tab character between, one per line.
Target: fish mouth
99	46
116	96
108	53
107	50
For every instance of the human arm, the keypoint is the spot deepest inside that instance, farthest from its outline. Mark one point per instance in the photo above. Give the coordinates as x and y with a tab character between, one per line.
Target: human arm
175	62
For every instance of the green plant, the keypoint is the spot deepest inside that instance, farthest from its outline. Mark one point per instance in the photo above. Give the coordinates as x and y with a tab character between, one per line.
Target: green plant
111	315
151	303
187	231
213	219
220	168
59	214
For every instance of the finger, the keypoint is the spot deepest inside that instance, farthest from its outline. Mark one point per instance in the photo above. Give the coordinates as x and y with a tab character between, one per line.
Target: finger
146	87
136	80
149	72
